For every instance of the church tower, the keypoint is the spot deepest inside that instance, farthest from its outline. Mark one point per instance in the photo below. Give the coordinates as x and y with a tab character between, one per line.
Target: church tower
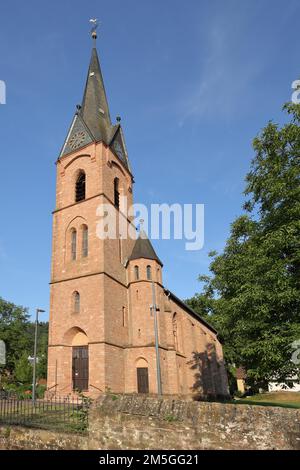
89	296
113	325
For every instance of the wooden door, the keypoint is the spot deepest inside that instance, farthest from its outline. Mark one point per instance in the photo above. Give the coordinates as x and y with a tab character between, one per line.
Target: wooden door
142	380
80	368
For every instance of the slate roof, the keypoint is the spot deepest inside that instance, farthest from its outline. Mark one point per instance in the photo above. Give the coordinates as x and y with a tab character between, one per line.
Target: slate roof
92	122
190	310
94	108
144	249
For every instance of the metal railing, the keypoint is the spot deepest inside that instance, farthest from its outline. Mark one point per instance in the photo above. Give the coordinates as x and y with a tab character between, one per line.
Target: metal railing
64	414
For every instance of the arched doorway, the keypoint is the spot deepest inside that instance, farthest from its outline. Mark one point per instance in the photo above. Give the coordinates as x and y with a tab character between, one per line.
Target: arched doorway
80	359
142	376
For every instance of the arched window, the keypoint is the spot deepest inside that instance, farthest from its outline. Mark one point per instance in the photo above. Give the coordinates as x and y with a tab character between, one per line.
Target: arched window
136	273
149	274
73	244
116	193
80	187
76	302
85	241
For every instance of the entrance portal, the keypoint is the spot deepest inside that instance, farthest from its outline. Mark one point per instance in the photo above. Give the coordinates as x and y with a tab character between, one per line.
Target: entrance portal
80	368
142	379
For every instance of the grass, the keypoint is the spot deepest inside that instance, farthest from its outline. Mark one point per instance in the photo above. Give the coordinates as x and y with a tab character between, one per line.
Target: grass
171	418
283	399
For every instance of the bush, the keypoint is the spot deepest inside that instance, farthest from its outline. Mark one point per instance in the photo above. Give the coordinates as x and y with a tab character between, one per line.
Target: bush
23	369
40	391
19	390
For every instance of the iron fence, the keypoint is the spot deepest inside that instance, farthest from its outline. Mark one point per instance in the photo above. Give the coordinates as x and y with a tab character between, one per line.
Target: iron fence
64	414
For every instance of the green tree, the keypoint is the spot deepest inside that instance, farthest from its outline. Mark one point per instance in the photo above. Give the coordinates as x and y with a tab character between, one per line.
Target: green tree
13	324
41	370
253	295
23	369
42	349
18	334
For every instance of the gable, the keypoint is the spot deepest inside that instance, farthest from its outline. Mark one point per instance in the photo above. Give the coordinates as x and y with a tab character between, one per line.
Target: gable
78	136
117	145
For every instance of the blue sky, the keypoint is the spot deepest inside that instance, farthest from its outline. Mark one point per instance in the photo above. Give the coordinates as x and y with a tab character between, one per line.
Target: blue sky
194	82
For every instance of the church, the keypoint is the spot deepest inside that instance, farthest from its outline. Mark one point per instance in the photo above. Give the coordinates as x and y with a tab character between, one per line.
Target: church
113	325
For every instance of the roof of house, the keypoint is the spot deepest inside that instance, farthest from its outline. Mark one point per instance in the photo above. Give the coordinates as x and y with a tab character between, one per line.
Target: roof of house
240	373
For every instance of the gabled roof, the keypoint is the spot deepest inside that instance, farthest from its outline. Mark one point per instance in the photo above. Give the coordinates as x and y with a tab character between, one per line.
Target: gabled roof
78	128
144	249
118	146
240	373
190	310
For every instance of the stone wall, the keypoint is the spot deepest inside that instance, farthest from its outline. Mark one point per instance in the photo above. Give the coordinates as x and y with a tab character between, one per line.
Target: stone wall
137	422
17	437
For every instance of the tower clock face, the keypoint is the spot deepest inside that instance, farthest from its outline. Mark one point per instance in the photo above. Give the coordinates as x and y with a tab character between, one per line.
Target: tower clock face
77	139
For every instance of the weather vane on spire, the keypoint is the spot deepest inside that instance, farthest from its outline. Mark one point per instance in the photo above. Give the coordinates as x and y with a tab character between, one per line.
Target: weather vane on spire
94	22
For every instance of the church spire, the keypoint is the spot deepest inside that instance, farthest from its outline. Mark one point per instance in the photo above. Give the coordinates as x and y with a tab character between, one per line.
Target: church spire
92	122
94	108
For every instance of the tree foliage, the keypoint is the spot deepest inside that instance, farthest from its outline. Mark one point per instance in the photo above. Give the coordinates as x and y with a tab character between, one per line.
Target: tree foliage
17	332
13	324
253	294
23	369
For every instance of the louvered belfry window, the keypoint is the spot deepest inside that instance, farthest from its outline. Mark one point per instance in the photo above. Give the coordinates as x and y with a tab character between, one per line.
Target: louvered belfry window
80	187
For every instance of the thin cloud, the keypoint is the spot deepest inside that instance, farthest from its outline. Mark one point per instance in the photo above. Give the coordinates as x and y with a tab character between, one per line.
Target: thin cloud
225	76
228	73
